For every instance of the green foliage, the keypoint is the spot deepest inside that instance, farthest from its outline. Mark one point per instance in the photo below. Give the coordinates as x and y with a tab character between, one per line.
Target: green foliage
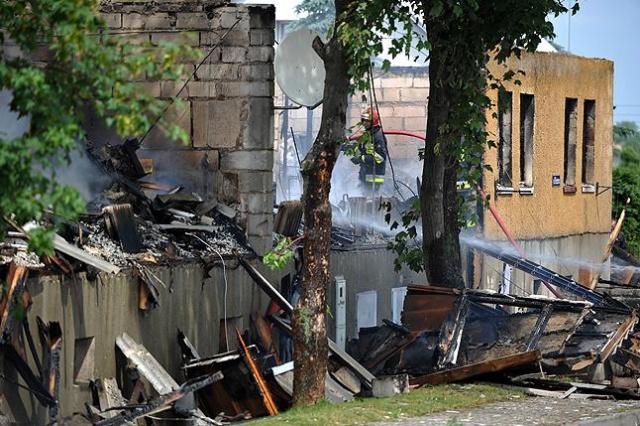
463	37
319	16
627	186
279	256
86	69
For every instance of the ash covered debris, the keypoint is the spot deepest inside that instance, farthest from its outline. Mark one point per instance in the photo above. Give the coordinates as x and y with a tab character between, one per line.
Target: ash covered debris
132	221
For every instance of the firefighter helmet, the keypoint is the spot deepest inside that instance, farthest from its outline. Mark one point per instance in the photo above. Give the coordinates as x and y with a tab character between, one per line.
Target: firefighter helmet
370	114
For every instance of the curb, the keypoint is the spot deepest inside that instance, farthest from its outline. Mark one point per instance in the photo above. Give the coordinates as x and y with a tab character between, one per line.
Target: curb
627	418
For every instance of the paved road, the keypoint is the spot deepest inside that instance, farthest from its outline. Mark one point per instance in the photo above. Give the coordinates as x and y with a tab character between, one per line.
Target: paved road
539	411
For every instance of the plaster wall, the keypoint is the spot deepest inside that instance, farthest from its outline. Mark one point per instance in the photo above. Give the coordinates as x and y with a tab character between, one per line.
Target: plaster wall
549	211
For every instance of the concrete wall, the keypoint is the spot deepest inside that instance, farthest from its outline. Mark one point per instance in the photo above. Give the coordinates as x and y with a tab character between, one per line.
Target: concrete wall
227	107
552	222
549	211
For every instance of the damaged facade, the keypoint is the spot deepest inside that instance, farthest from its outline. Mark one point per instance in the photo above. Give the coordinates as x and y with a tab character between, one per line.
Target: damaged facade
175	278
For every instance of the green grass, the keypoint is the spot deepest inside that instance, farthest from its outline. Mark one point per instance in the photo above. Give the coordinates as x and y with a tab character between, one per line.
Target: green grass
415	403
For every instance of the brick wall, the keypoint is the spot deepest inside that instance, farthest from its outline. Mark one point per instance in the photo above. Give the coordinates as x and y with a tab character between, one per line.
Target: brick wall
227	107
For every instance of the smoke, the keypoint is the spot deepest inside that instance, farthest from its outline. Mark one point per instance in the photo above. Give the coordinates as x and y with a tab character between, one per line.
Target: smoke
82	174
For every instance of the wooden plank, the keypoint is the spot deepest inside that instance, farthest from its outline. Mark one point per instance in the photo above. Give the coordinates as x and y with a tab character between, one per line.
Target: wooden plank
275	295
622	332
471	370
607	249
264	390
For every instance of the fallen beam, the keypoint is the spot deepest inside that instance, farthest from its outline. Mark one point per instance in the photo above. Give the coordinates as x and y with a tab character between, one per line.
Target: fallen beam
62	245
471	370
275	295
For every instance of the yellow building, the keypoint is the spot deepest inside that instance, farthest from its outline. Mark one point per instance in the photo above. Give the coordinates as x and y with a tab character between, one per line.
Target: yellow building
552	166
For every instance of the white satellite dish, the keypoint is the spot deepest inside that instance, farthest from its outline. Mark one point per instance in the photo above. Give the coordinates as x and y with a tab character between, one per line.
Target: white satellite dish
299	70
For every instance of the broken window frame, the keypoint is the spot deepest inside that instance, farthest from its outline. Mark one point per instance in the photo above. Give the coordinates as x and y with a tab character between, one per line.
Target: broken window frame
527	126
570	144
588	146
504	185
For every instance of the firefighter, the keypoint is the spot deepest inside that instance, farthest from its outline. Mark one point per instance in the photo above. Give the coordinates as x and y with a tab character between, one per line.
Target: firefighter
370	153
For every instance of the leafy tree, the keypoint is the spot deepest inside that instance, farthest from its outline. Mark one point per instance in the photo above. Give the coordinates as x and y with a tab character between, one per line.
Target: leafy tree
319	16
625	181
462	34
463	37
85	68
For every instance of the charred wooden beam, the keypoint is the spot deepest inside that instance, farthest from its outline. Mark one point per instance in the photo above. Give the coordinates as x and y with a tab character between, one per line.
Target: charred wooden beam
189	352
472	370
451	333
121	226
34	383
538	329
617	338
275	295
163	402
51	340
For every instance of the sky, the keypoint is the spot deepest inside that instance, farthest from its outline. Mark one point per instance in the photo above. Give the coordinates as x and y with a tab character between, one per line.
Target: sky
608	29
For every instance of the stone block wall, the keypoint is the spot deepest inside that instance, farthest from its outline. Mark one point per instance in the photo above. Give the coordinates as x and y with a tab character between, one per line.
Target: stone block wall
227	103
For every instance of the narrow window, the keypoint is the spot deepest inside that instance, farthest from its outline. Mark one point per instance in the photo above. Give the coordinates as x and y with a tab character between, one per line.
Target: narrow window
570	143
588	142
527	116
504	139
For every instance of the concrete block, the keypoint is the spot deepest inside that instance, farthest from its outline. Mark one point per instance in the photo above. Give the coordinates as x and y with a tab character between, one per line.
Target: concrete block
183	38
260	37
259	132
218	123
260	54
247	160
257	72
416	124
180	113
202	89
261	245
387	386
234	54
389	95
229	89
236	38
235	18
260	225
421	81
405	111
255	181
170	89
134	21
219	72
257	203
399	82
393	123
193	21
414	94
112	20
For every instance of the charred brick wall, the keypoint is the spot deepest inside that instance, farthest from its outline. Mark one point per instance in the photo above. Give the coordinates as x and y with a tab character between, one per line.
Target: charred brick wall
227	107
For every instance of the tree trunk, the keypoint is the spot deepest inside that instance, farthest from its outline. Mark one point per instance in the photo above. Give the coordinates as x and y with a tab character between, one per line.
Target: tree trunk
438	193
310	349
